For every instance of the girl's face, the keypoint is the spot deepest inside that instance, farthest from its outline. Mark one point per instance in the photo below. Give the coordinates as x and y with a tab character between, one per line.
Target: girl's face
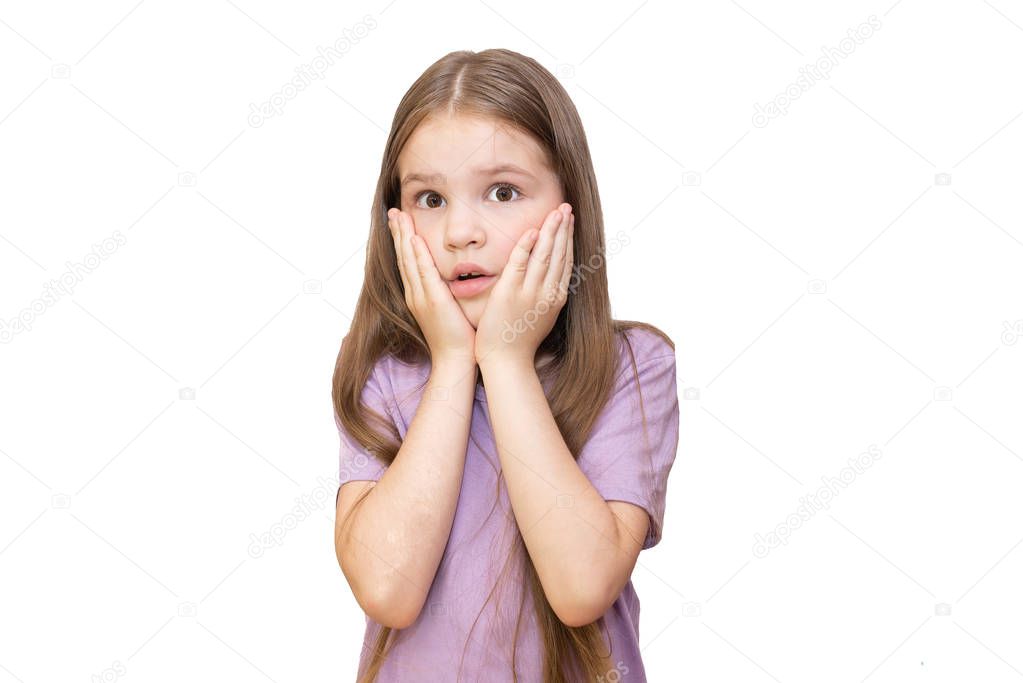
472	188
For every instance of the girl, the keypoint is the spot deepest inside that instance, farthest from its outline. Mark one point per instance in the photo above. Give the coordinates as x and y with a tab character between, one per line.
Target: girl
531	435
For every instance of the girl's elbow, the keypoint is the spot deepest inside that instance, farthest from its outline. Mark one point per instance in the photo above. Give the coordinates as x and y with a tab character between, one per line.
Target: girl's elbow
383	607
576	609
578	614
394	612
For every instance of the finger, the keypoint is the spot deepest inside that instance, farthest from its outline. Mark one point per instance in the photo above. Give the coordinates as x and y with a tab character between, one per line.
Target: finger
392	225
566	277
412	266
432	281
556	269
540	257
518	260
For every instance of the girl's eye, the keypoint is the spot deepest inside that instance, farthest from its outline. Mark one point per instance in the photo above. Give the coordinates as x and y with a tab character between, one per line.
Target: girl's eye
504	195
506	191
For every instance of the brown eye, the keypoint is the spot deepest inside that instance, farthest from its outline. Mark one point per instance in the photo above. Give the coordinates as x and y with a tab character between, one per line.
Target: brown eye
429	194
504	192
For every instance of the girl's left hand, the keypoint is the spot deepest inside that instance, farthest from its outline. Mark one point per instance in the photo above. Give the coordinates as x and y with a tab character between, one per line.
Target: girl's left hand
533	287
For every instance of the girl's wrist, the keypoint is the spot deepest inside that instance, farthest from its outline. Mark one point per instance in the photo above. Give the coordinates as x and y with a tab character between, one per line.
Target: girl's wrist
454	366
494	362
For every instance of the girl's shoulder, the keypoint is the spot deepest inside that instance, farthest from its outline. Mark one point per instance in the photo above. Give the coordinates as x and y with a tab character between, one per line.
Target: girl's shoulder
400	379
646	342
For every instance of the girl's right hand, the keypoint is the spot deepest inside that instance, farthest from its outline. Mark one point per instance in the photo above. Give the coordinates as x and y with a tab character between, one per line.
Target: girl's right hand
448	332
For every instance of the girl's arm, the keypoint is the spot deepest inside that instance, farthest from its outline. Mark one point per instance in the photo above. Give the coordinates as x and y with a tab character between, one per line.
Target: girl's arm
398	533
582	552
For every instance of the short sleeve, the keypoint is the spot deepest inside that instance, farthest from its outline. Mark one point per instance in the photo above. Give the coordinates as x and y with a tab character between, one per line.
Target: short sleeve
623	463
355	462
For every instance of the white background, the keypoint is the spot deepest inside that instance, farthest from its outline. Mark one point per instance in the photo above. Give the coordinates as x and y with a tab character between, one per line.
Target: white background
843	278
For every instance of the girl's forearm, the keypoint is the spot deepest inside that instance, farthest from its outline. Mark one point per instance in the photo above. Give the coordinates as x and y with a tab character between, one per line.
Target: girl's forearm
399	532
567	526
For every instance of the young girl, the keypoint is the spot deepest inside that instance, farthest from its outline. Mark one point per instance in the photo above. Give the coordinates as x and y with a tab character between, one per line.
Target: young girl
505	444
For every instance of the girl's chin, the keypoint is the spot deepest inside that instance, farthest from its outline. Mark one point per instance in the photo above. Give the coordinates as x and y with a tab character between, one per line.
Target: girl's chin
473	308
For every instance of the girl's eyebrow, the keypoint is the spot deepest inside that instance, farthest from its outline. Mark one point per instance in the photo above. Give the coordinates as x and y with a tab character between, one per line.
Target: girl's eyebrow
487	170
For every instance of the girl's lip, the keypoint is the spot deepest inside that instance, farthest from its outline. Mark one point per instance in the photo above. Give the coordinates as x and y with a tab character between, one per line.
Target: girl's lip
467	267
463	289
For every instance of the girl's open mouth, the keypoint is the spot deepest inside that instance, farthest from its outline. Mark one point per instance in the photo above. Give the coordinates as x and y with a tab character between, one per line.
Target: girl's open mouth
463	288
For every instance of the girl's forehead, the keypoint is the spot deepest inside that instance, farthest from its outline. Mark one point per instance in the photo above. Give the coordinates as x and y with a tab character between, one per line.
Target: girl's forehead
448	144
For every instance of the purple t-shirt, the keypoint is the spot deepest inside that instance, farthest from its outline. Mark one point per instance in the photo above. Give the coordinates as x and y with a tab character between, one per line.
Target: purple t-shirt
480	541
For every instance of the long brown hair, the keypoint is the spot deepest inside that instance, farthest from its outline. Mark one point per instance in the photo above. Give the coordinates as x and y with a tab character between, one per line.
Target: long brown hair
504	86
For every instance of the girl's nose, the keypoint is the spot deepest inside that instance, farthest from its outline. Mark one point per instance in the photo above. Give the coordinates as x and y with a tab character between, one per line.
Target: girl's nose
462	226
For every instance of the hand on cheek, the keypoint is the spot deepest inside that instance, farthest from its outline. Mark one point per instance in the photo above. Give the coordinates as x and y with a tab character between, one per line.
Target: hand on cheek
529	293
443	323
